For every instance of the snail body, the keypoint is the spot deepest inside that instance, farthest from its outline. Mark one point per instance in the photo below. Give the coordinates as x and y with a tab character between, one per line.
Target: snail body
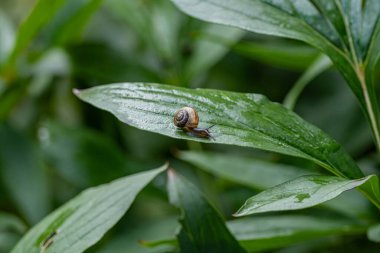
187	119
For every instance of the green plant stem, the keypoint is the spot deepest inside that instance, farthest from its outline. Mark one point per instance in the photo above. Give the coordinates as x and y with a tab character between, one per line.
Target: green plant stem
371	113
320	64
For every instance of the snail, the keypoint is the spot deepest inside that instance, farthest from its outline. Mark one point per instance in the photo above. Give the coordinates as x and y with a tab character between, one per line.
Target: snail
187	119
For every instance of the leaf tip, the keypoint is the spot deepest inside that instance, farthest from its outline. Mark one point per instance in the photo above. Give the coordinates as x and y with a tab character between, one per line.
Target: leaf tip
76	91
171	173
237	214
241	212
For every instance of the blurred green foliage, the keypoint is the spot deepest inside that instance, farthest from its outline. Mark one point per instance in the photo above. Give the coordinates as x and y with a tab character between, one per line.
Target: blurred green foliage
52	145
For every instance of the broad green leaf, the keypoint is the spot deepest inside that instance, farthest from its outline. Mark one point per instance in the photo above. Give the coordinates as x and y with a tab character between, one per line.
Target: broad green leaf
42	12
242	119
317	67
260	175
346	31
373	233
23	175
248	171
302	192
82	221
271	232
203	229
280	54
264	233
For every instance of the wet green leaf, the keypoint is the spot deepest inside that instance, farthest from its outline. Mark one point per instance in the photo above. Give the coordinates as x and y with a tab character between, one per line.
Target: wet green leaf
260	175
203	229
346	31
242	119
81	222
302	192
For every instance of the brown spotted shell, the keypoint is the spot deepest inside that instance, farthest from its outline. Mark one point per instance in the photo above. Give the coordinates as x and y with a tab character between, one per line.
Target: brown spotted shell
186	117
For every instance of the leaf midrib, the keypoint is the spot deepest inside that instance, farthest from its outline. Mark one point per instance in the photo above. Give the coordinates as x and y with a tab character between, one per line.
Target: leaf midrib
301	152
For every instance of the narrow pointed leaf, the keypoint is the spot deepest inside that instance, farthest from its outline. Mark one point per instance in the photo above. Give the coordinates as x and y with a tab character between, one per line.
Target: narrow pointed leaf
260	175
242	119
203	229
84	220
303	192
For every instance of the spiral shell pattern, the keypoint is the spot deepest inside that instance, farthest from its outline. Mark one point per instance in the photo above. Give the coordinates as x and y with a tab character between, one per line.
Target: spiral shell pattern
186	117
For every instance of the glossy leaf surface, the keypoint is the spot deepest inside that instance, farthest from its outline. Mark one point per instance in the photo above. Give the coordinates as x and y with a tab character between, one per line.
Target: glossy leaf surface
260	175
302	192
346	31
242	119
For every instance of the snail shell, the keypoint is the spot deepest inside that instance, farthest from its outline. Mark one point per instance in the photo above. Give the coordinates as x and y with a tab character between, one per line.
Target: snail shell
186	117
